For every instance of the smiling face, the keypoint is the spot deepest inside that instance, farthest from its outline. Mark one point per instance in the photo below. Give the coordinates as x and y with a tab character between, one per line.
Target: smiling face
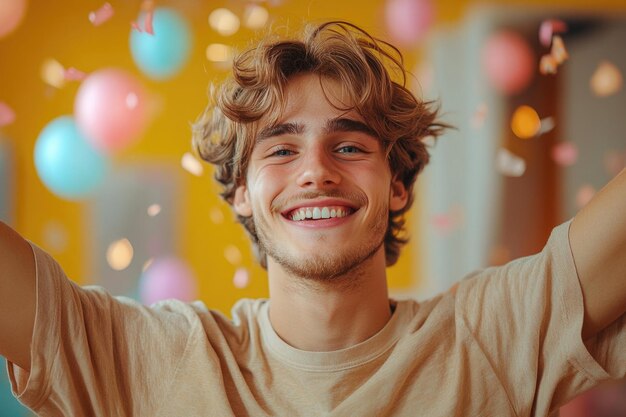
318	185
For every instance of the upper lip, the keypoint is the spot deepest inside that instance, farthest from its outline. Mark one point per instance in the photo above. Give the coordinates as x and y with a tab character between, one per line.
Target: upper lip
320	203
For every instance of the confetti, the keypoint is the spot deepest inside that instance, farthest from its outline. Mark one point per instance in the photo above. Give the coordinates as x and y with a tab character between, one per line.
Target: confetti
154	210
120	254
147	22
547	65
219	53
192	165
7	115
53	73
525	122
429	141
101	15
255	16
606	79
548	28
509	164
478	119
444	223
147	264
216	215
584	195
558	51
547	124
72	74
233	255
241	279
565	154
224	22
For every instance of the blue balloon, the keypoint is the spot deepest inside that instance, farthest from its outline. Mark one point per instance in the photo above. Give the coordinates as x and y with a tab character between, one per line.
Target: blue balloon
66	162
163	54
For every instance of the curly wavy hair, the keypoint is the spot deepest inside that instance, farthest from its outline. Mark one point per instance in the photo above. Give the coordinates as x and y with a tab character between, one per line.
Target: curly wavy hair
371	70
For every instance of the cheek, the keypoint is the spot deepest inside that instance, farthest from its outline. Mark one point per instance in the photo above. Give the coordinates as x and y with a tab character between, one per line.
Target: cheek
265	185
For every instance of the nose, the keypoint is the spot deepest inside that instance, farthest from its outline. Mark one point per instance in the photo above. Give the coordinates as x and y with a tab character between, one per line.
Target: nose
317	169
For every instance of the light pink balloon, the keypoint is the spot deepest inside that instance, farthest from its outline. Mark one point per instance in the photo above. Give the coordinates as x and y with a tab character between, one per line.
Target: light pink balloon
111	109
508	61
408	21
11	15
167	278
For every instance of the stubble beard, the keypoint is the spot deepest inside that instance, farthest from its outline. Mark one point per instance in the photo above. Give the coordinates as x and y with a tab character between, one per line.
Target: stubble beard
340	267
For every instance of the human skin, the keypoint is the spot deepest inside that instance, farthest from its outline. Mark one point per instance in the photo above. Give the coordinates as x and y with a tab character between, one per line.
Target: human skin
327	277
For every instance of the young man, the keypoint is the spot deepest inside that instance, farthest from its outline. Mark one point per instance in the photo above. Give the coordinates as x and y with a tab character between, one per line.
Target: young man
318	149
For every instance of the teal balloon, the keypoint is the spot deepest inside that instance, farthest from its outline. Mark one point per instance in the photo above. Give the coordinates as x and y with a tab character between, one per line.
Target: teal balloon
163	54
67	163
9	406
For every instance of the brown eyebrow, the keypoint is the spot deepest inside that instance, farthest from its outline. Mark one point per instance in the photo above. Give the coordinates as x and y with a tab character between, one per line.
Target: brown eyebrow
332	126
348	125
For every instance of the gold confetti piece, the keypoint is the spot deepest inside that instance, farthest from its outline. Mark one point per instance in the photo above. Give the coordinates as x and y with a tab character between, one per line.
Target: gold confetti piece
120	254
255	16
224	22
154	210
101	15
241	278
509	164
7	115
216	215
525	122
606	80
53	73
558	51
233	255
547	65
192	165
147	264
220	53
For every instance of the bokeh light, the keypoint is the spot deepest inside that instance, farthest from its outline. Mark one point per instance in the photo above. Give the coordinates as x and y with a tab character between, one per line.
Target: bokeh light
224	22
120	254
525	122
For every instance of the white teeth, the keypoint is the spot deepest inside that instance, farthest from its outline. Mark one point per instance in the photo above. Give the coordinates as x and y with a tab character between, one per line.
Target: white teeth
316	213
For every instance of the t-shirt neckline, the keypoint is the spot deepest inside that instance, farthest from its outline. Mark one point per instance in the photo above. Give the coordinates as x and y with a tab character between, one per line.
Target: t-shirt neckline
336	360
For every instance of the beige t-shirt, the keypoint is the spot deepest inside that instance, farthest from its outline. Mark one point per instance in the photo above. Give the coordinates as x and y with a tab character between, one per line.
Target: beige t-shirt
506	343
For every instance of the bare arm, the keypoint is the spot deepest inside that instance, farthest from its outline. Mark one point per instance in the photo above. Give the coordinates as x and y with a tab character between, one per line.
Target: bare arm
17	297
598	240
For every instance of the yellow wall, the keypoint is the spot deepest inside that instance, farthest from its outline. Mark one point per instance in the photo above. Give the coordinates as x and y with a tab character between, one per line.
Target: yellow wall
61	30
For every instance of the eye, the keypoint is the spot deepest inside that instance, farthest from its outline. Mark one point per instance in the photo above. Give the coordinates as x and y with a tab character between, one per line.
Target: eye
282	152
349	149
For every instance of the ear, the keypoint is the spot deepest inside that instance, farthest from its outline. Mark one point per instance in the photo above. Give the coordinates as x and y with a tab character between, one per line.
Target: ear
398	195
241	201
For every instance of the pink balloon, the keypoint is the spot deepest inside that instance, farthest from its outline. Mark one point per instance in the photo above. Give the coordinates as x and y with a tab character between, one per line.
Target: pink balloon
11	15
409	20
508	61
110	109
167	278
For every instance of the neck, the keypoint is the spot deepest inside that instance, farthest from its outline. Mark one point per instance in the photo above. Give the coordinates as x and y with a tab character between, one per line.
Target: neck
326	316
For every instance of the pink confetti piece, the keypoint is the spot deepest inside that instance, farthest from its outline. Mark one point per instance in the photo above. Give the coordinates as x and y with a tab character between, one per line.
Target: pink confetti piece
547	124
548	28
7	115
147	23
478	119
443	223
72	74
135	26
241	279
101	15
584	195
565	154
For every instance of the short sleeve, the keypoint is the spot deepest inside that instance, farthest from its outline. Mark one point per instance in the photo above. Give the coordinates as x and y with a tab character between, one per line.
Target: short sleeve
526	317
95	354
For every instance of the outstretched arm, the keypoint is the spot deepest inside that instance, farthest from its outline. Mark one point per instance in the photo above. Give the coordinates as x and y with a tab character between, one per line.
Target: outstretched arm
17	297
598	240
